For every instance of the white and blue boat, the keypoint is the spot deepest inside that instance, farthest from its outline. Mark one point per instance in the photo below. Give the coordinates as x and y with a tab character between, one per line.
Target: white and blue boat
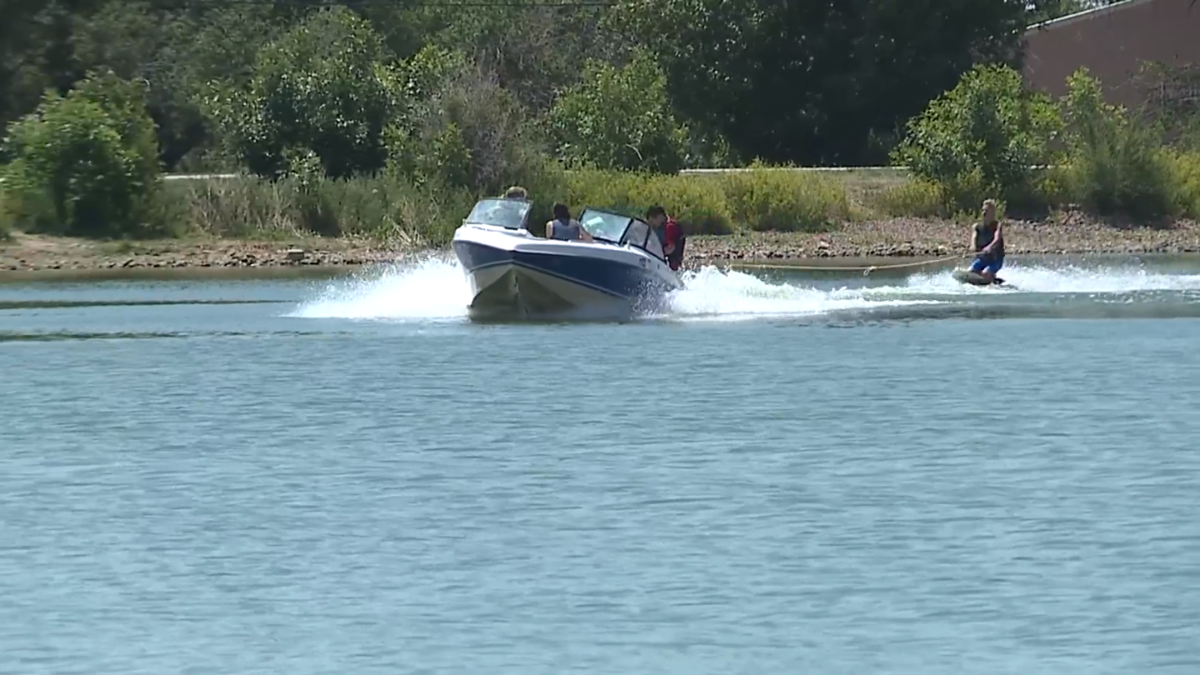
517	275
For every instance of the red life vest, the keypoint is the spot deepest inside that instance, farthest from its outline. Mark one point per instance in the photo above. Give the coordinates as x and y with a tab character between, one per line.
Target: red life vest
673	234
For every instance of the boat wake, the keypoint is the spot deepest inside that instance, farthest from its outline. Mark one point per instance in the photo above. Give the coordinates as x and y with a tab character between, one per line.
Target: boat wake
430	288
434	288
1066	279
713	294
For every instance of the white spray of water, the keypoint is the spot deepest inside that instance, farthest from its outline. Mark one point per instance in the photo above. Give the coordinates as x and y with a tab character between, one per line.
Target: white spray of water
431	288
710	293
1067	279
435	288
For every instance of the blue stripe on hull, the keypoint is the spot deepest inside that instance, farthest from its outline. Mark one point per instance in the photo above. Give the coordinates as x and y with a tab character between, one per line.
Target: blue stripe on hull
607	276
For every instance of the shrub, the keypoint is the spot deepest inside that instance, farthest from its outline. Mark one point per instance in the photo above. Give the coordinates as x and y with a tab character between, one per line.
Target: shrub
85	164
324	86
1185	177
378	208
759	199
619	118
1115	164
785	201
463	128
696	206
914	198
982	138
5	227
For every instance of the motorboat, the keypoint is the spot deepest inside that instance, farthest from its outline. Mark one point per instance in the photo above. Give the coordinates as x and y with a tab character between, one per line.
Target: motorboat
515	274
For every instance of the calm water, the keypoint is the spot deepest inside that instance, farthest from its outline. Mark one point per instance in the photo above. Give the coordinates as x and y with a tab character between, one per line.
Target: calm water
831	474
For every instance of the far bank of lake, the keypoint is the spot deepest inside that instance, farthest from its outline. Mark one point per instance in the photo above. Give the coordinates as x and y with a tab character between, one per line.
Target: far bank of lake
895	241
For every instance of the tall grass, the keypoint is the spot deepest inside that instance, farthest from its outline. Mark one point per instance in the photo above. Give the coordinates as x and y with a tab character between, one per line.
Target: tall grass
1123	171
697	207
396	212
1185	176
376	208
5	227
719	203
912	198
782	202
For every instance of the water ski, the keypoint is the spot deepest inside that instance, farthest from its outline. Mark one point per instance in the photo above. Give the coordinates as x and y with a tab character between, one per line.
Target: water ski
974	278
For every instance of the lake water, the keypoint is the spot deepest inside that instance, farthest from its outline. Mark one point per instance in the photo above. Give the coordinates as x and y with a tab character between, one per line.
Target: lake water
785	474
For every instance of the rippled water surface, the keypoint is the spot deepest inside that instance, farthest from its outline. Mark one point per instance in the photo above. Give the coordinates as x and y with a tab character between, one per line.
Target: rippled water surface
784	474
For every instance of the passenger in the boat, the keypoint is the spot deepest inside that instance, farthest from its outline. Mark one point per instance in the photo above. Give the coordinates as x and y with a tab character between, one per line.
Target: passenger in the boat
508	213
564	227
670	235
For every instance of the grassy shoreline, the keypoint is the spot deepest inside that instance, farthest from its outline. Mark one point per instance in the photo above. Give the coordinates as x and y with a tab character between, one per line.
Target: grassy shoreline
760	214
869	242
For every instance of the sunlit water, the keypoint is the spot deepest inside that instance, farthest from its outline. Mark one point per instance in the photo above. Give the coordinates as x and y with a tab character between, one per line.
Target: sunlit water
781	474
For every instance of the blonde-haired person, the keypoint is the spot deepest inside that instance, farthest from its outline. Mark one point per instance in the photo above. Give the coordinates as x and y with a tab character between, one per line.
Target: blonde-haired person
516	192
988	243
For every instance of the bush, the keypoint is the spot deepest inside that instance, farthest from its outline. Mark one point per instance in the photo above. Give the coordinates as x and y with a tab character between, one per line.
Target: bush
1185	177
915	198
785	201
759	199
86	164
5	227
376	208
982	139
324	86
619	118
1115	165
696	207
463	129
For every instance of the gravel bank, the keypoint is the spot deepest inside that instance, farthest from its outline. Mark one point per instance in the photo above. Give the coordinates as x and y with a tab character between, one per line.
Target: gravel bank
911	237
32	253
893	238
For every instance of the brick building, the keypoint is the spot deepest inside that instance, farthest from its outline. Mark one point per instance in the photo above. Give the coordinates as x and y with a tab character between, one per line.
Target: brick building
1113	42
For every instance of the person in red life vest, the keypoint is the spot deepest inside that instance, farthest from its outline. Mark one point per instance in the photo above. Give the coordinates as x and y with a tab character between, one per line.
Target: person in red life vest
670	235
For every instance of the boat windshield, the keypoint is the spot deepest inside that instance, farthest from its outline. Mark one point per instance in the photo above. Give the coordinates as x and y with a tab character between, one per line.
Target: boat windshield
607	226
506	213
620	229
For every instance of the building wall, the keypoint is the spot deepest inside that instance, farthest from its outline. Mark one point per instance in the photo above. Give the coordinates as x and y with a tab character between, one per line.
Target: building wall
1112	43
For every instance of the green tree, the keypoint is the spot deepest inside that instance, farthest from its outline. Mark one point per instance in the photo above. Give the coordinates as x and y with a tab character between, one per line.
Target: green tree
326	87
811	82
462	128
982	138
177	49
37	51
1116	164
619	118
534	51
85	164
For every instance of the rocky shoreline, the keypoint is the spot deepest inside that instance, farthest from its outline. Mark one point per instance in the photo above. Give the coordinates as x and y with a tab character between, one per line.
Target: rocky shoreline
1071	234
29	253
900	238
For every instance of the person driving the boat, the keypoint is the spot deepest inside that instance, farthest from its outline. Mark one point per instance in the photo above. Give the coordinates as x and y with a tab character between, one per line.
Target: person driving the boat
670	235
988	243
564	227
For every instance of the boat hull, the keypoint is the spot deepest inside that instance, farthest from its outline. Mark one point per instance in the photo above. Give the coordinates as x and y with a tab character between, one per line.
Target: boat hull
536	281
